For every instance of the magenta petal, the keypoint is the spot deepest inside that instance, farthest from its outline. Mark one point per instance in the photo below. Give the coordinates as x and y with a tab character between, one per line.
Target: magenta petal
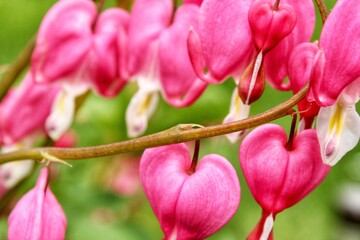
276	60
17	118
340	43
269	26
277	177
300	69
197	2
223	27
176	73
147	20
193	93
107	58
38	215
208	199
65	33
196	205
160	168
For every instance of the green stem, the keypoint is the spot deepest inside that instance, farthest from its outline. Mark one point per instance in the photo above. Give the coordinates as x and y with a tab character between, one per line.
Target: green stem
177	134
322	9
15	69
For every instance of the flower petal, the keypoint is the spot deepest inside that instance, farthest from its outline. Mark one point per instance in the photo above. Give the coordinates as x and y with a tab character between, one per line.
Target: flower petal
38	215
106	56
62	114
338	129
140	109
221	31
17	118
279	177
197	204
148	19
238	111
65	33
181	86
276	61
340	43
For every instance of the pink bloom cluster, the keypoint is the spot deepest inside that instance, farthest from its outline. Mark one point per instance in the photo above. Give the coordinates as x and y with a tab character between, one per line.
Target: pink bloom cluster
177	51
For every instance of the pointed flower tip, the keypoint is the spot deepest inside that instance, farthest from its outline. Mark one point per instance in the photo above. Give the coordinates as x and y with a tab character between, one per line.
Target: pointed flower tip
37	215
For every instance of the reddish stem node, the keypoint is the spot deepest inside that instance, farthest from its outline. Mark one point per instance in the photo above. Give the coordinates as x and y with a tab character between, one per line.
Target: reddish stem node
289	144
276	5
195	157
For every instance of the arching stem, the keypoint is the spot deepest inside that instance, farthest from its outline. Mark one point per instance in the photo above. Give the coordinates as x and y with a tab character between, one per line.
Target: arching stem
177	134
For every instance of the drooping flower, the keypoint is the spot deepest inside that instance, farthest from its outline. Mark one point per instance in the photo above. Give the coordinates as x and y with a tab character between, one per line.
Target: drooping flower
38	215
340	45
23	114
189	204
338	126
158	59
300	68
12	173
94	47
279	172
334	76
265	45
17	111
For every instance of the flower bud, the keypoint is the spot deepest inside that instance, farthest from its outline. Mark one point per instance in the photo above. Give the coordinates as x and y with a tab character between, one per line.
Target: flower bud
269	24
38	215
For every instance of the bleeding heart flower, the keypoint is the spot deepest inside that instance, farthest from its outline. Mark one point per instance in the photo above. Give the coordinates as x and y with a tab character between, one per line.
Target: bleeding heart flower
279	172
94	47
300	70
276	60
38	215
266	45
340	44
157	34
214	48
17	118
338	126
190	204
91	44
12	173
270	23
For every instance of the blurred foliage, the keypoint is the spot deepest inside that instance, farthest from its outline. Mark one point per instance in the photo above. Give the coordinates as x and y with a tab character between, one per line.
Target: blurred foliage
94	212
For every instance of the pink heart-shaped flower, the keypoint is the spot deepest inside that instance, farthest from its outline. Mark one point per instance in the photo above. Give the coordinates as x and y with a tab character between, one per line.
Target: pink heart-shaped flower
269	25
279	177
189	205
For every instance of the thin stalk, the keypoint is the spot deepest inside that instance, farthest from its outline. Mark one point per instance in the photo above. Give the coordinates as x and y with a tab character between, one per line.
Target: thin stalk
177	134
276	5
322	9
15	69
289	144
195	158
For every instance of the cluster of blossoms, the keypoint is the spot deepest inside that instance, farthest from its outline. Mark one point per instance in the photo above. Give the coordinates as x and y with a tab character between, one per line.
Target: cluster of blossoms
176	52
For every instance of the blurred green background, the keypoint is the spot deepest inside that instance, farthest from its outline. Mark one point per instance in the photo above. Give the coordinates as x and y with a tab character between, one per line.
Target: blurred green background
95	212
